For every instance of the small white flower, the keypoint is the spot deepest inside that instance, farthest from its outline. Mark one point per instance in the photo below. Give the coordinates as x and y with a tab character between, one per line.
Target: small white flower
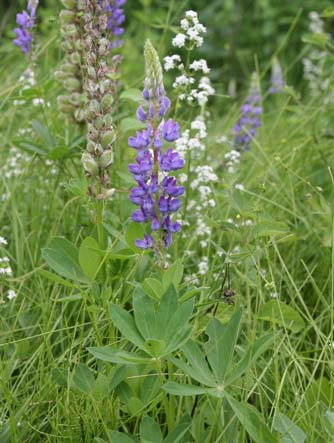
184	24
200	65
239	186
170	62
3	241
203	266
179	40
11	294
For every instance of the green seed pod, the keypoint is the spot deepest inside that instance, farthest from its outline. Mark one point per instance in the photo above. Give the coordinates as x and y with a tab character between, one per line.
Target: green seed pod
69	67
108	138
107	101
89	163
69	4
106	159
79	115
66	16
69	31
94	107
90	147
91	72
75	99
75	58
72	84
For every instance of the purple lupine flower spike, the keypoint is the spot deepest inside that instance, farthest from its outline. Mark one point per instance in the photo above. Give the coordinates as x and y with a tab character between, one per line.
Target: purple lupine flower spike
277	79
156	193
115	21
245	128
25	21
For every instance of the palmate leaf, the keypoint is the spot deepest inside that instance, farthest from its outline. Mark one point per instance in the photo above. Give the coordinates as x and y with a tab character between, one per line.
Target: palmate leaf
63	257
111	355
221	344
252	421
126	324
145	315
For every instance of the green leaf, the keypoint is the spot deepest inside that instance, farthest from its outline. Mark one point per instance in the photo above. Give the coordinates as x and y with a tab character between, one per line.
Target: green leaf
122	254
291	432
252	421
60	376
156	348
167	309
132	94
177	329
145	315
135	231
43	132
55	278
173	275
120	437
200	368
83	379
282	314
118	377
108	354
268	229
100	388
221	344
131	124
179	431
32	148
90	257
260	346
126	324
150	431
328	422
63	257
185	389
153	288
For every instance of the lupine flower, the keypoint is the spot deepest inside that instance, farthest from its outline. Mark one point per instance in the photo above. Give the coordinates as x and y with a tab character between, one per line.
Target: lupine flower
115	21
156	193
277	79
98	156
70	72
25	21
245	129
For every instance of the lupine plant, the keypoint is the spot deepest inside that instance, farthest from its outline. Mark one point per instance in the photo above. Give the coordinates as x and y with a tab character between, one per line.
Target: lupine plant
25	21
157	193
70	71
276	80
249	122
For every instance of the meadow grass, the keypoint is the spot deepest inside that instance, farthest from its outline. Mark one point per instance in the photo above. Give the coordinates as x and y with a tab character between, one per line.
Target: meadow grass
46	330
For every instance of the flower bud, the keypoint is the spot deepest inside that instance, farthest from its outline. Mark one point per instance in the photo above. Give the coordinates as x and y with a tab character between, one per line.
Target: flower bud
79	115
89	163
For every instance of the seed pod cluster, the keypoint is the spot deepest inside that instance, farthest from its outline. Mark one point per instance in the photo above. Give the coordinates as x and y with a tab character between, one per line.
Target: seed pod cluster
70	72
98	86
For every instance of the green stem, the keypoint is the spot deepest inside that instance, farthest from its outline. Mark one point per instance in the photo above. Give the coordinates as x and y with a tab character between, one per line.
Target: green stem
169	415
99	220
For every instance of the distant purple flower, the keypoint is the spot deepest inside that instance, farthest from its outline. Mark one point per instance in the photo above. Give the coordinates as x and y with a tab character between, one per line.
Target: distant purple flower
25	21
156	194
249	121
115	21
276	81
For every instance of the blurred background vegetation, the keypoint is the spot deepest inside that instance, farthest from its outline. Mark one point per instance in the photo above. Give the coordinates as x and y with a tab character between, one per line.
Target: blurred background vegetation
242	34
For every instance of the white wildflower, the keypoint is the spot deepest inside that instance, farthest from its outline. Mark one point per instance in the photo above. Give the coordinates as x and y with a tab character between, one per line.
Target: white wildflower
170	62
3	241
179	40
11	294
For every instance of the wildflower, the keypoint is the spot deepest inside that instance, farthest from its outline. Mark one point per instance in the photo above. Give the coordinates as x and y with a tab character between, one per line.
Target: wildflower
156	192
245	128
190	88
3	241
70	72
11	294
277	80
115	20
25	21
98	156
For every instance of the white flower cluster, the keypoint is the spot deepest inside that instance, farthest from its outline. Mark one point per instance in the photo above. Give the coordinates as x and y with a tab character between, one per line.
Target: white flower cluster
192	30
188	87
232	158
28	80
204	176
192	139
315	62
14	164
5	271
